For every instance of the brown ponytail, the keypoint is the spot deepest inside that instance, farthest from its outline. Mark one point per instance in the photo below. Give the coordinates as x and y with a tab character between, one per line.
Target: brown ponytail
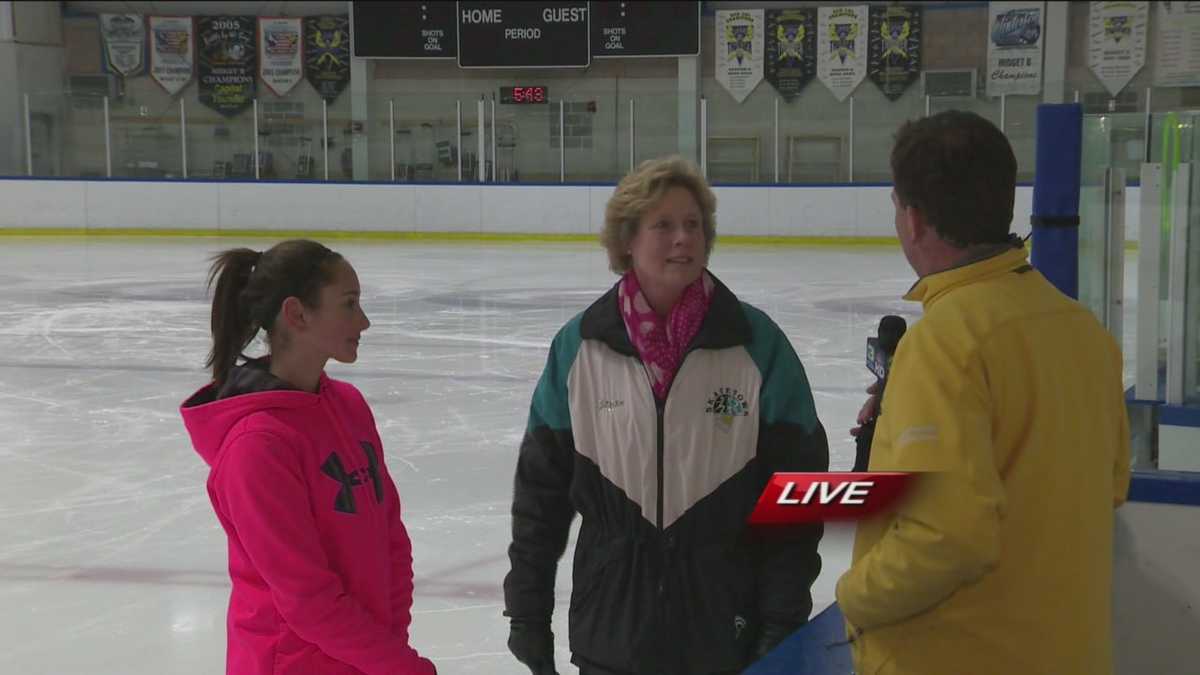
232	327
251	287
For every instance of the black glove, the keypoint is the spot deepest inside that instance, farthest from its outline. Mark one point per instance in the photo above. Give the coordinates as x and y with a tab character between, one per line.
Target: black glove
533	644
770	636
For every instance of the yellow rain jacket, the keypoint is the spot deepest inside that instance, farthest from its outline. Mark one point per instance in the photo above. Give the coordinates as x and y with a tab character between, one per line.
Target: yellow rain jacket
999	560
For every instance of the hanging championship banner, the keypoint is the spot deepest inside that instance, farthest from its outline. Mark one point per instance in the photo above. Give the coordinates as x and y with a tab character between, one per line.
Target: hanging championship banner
1177	48
1015	47
842	39
227	62
894	54
171	59
1117	42
739	51
327	54
791	51
279	55
124	37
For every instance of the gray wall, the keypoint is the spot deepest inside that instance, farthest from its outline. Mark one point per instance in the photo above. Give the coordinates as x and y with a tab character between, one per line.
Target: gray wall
31	61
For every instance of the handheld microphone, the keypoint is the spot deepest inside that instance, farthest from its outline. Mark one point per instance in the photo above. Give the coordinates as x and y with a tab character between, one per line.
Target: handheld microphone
880	351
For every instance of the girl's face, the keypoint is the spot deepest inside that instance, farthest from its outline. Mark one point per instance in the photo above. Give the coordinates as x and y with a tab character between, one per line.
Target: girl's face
335	326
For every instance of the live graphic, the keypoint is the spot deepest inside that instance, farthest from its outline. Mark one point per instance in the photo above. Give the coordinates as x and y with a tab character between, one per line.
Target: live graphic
791	498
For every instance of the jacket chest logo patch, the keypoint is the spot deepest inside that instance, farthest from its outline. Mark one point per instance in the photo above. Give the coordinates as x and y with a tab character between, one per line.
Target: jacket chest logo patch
333	467
727	403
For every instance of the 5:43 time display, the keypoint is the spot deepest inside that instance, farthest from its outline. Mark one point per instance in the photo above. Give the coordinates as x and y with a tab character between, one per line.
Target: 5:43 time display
524	94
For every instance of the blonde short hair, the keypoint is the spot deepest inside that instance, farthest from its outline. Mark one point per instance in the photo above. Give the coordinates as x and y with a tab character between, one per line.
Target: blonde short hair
640	191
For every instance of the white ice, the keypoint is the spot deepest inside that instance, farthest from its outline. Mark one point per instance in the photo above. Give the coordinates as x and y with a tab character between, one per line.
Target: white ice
111	560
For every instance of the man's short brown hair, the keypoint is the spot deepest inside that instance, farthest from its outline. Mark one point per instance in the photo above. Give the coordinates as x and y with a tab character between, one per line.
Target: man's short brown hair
960	171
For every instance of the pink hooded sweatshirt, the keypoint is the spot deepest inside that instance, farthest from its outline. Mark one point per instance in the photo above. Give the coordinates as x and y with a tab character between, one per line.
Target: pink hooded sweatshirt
320	563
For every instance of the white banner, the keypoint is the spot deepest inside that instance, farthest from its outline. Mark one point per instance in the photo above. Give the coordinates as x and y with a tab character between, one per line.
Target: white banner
124	38
1177	61
172	51
1117	41
842	44
1015	46
739	50
280	62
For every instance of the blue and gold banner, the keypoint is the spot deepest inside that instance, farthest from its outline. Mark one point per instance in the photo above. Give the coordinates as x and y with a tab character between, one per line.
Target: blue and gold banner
327	54
842	48
1117	41
894	56
791	51
739	51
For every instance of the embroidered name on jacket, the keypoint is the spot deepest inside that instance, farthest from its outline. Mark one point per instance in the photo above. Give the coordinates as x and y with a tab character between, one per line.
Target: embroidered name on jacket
333	467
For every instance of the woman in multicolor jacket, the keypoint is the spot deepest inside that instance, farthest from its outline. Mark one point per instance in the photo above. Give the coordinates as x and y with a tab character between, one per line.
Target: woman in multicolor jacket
662	412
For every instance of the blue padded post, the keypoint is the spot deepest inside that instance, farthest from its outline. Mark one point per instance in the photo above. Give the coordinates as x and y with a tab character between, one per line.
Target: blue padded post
1056	195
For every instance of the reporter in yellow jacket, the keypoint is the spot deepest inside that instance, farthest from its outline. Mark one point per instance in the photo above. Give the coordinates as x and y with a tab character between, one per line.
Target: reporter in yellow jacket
1007	396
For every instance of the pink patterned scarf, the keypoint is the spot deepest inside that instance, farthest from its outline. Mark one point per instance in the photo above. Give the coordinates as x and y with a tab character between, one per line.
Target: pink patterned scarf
661	342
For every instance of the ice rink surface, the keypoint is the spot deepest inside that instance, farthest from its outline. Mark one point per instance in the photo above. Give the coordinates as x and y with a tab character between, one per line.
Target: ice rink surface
111	560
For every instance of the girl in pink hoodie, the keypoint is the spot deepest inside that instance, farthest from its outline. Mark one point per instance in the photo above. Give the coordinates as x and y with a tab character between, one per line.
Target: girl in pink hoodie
320	561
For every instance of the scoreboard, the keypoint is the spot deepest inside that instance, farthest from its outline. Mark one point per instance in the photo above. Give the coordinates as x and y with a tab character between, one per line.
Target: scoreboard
499	34
645	28
404	30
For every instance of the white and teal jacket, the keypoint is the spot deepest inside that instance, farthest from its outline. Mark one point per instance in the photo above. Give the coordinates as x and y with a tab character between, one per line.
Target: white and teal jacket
667	576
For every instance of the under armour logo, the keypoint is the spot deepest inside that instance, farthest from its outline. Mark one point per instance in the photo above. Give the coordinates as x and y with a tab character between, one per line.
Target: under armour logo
373	469
333	467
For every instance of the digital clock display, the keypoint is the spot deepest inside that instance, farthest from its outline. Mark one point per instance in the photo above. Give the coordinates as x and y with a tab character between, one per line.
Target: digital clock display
524	95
